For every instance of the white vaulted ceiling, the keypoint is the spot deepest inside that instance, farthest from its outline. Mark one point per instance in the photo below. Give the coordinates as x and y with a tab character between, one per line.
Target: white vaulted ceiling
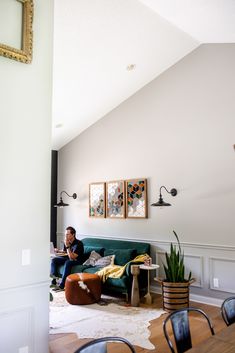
96	40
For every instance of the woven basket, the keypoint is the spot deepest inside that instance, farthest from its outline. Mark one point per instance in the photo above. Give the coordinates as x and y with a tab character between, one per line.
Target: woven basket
175	295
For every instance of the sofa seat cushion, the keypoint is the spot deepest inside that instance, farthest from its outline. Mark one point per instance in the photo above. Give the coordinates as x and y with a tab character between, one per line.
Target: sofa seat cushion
122	256
93	269
79	268
75	269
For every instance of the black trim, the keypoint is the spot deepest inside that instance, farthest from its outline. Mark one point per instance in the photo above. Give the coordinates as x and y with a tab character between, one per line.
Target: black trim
54	167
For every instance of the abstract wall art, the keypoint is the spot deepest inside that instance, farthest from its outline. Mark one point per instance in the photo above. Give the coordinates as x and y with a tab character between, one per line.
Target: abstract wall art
115	199
136	198
97	200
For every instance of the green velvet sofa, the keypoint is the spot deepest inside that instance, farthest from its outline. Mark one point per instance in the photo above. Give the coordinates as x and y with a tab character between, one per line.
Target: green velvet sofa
124	252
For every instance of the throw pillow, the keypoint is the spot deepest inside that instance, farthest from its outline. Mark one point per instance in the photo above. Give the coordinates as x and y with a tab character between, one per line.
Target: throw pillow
94	256
122	256
105	261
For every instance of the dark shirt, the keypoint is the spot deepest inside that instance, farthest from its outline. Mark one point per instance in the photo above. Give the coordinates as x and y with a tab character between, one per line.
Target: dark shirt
77	248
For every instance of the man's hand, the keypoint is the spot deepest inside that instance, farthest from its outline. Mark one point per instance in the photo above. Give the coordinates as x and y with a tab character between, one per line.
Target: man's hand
67	242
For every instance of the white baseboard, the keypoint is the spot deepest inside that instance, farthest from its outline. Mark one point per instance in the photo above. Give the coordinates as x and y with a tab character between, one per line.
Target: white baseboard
206	300
195	297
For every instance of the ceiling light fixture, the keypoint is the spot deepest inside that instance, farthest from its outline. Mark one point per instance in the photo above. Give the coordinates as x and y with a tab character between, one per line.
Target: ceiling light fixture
130	67
57	126
161	202
61	204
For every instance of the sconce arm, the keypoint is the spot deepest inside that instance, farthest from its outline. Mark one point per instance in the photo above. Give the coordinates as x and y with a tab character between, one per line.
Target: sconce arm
74	195
173	191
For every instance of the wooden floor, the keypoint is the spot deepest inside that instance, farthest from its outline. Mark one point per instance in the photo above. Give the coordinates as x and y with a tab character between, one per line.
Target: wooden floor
68	343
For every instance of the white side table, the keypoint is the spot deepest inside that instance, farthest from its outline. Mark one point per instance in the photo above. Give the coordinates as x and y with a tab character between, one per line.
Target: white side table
148	297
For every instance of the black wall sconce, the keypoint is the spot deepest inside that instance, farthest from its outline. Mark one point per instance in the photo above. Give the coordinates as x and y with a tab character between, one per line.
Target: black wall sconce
161	202
61	204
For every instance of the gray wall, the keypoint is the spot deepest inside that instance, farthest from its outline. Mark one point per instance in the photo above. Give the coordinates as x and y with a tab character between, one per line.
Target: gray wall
177	131
25	139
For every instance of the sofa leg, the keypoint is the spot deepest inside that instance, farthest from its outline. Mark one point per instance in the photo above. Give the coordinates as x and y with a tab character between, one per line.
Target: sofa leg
126	293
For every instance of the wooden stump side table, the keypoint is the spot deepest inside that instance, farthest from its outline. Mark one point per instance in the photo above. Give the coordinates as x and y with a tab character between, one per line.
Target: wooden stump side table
148	297
135	294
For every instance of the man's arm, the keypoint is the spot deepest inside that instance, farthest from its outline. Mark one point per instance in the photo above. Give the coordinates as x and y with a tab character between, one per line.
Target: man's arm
71	255
76	251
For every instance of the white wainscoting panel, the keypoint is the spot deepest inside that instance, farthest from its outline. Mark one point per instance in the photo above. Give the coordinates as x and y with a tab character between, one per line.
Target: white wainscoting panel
218	268
21	334
206	262
193	263
160	260
24	318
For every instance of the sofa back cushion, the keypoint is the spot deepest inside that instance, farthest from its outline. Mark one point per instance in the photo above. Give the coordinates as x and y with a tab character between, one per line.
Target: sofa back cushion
140	247
122	256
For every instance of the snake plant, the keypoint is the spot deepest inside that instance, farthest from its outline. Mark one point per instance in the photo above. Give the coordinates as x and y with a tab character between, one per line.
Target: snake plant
174	268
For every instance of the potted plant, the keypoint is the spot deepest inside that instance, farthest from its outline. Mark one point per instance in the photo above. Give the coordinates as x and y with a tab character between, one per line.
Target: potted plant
175	287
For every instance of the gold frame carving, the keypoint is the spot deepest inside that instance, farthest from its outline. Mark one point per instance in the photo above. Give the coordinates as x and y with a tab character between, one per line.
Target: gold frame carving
25	53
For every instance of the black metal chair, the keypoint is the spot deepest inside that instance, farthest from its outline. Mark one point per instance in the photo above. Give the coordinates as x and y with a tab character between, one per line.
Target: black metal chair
180	325
99	345
228	310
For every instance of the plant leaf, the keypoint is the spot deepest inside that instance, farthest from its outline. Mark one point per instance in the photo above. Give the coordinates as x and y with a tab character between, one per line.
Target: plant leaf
174	268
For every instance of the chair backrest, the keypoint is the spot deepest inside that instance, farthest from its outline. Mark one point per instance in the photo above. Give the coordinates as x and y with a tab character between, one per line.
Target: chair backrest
228	310
181	330
99	345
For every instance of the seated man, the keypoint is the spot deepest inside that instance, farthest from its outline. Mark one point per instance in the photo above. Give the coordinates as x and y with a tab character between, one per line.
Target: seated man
72	255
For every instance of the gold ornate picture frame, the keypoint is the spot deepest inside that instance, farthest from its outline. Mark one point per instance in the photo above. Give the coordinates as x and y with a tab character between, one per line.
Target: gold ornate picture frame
24	54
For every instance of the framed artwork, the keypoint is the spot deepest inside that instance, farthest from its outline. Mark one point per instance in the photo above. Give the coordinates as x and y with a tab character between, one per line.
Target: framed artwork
115	199
22	50
136	198
97	200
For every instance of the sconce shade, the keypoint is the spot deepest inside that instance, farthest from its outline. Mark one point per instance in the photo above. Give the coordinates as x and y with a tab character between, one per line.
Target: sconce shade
161	202
62	204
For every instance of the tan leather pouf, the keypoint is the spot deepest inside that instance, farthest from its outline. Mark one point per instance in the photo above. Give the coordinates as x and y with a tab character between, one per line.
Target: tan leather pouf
82	288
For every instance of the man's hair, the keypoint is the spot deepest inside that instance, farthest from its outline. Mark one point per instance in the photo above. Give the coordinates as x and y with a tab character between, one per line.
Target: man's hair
72	230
